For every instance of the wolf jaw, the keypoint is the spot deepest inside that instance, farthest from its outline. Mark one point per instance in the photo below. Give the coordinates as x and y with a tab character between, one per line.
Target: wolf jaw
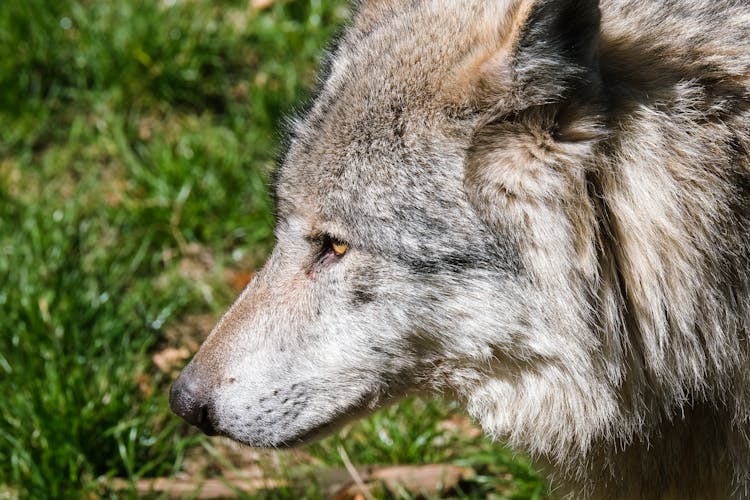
546	213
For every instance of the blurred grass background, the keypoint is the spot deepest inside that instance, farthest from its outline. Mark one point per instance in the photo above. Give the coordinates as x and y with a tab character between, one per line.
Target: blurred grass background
136	140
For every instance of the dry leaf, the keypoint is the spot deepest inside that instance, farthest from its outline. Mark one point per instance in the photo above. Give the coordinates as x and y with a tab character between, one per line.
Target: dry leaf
460	424
171	358
190	330
238	279
145	384
260	4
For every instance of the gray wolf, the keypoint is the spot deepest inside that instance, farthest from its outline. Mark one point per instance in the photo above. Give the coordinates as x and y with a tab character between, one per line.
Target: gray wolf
539	208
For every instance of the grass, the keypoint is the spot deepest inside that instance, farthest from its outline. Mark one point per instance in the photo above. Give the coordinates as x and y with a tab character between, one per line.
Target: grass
136	140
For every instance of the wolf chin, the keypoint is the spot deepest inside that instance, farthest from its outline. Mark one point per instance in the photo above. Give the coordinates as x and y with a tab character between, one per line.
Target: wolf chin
539	208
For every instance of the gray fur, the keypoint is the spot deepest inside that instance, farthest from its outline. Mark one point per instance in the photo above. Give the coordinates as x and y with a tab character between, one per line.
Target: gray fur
546	206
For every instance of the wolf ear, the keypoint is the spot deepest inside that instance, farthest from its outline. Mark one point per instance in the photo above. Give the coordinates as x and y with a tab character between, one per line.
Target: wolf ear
545	50
539	115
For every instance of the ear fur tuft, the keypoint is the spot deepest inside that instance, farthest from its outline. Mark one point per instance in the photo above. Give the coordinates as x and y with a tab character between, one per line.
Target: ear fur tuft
539	96
544	51
557	50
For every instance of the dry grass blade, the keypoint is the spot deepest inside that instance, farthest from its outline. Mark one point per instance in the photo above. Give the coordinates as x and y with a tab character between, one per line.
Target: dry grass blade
200	489
354	474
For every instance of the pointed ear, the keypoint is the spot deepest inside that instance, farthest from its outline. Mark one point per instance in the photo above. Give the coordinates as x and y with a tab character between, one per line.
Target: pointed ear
544	51
558	46
540	119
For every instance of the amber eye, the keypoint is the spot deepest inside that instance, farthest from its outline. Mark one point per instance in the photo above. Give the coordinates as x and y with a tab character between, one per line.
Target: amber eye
339	248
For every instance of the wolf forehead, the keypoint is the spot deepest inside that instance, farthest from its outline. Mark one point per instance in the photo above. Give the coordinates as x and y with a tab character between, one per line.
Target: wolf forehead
382	138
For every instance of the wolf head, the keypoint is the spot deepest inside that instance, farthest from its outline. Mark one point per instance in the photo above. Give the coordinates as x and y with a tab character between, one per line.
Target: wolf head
431	233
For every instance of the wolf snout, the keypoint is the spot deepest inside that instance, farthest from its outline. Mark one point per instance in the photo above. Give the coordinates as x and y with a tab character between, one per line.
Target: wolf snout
187	400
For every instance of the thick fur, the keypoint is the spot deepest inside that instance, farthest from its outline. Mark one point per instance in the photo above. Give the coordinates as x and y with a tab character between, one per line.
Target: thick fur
547	211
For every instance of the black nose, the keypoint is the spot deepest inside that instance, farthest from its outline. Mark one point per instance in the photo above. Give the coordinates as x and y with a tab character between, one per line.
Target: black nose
185	401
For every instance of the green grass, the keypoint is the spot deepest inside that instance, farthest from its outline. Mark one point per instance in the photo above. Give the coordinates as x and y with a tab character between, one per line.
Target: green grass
133	135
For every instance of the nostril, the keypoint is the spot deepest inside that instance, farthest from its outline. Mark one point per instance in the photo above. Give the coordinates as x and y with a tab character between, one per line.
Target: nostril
185	402
206	425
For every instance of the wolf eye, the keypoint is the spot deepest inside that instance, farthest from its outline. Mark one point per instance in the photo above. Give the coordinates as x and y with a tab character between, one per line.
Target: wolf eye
338	248
329	247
